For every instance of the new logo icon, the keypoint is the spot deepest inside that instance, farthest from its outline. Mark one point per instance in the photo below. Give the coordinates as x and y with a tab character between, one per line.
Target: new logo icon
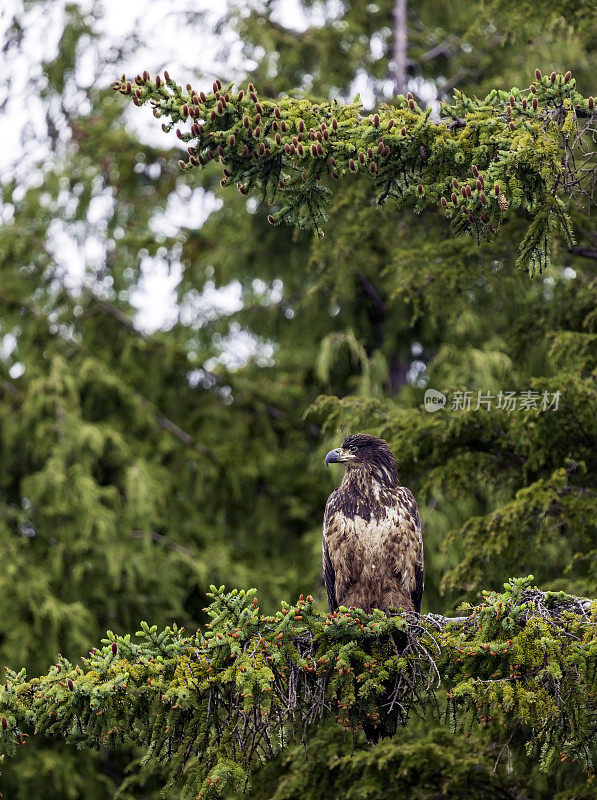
434	400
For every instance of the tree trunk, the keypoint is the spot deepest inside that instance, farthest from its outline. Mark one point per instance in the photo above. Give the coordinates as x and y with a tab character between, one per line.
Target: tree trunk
400	48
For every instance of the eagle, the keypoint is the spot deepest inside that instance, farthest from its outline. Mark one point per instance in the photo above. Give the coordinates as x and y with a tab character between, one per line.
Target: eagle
372	540
372	547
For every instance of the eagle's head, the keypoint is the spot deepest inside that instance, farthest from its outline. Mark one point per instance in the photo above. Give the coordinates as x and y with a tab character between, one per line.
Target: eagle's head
365	452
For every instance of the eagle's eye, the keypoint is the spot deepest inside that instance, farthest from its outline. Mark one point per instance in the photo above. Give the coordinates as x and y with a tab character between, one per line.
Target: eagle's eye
353	448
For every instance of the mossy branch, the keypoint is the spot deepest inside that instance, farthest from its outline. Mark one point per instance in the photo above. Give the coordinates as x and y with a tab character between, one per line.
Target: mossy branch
216	703
509	151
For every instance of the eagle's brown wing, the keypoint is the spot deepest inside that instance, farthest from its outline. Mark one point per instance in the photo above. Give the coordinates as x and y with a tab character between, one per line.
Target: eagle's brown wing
419	569
329	576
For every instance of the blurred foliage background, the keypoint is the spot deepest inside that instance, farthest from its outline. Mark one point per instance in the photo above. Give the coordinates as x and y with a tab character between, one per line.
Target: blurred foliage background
147	454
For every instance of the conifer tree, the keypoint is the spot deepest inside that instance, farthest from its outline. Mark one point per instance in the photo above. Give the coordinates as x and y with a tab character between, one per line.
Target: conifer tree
138	469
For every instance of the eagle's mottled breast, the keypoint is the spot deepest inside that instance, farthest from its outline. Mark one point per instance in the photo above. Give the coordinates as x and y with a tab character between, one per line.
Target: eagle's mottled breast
372	543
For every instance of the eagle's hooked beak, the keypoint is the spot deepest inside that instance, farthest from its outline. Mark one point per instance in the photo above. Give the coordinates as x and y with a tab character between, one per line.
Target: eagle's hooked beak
336	456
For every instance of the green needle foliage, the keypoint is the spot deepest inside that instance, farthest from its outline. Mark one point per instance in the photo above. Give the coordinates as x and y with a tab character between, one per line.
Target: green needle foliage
217	703
138	468
484	156
531	469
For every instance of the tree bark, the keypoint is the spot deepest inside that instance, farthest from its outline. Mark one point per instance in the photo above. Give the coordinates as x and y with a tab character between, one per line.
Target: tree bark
400	48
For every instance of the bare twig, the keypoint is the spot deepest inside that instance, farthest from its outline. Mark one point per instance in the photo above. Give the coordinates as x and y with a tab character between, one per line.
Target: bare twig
159	539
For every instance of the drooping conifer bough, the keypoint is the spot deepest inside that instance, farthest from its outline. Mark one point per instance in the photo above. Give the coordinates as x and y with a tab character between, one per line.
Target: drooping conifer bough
214	704
529	151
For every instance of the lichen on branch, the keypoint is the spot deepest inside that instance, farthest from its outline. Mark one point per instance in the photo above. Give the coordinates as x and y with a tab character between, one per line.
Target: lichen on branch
216	703
508	151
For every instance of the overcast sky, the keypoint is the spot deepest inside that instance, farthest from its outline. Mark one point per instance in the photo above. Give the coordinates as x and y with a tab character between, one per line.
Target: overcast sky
155	35
158	40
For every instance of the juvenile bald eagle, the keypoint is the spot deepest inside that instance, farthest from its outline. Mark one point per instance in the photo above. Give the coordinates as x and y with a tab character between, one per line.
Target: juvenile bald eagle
372	542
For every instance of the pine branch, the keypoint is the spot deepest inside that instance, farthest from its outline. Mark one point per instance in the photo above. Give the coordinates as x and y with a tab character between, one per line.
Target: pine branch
585	252
443	49
483	159
115	312
371	292
215	704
